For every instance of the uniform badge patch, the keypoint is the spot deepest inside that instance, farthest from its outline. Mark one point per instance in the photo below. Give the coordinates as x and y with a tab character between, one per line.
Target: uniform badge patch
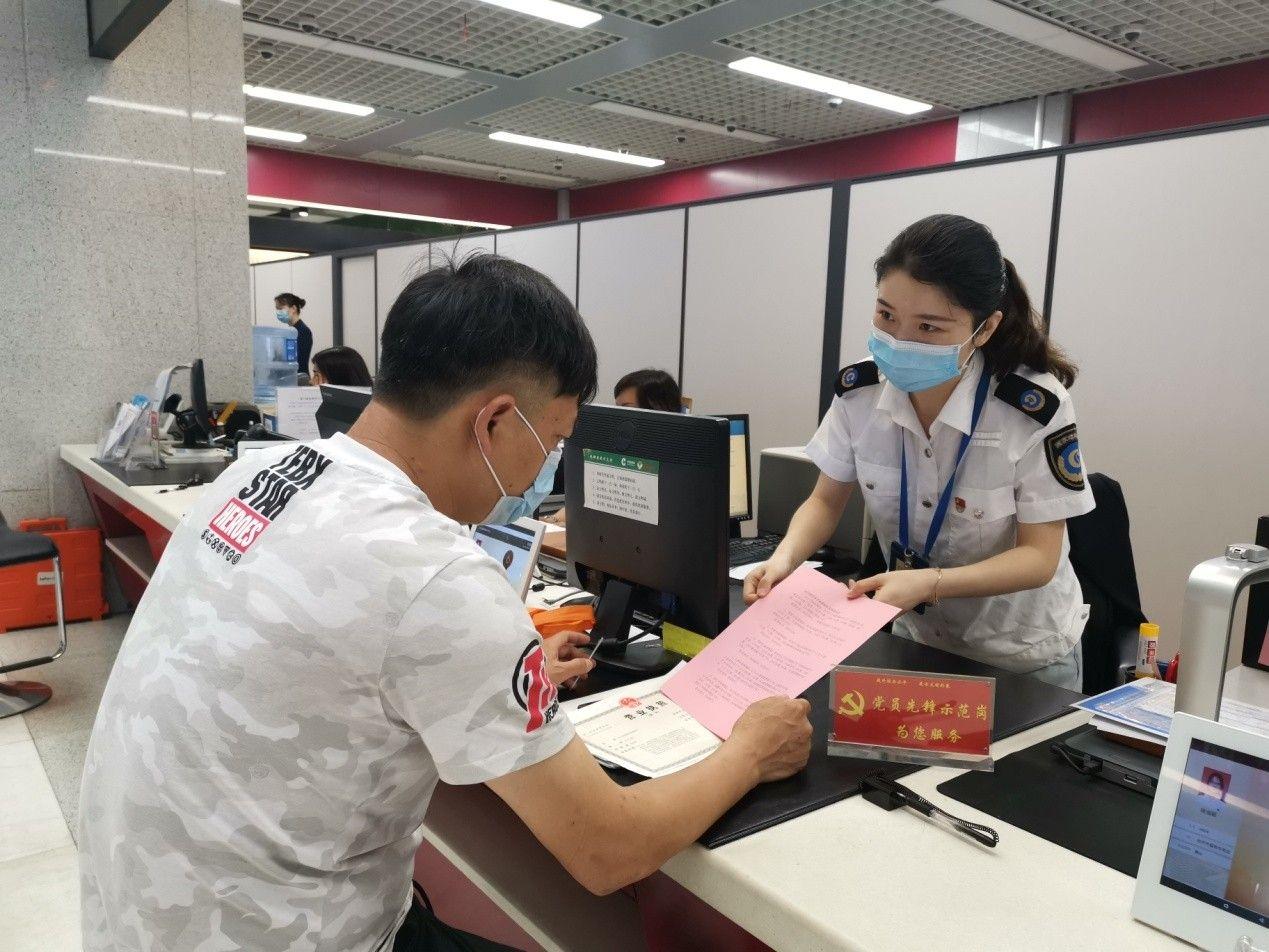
1062	450
533	689
1032	399
855	376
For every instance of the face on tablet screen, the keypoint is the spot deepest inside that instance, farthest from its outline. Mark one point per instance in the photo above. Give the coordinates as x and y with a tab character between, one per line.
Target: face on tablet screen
1218	849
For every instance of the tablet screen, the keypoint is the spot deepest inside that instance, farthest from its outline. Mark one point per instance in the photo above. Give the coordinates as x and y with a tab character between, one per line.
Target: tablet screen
1218	849
511	546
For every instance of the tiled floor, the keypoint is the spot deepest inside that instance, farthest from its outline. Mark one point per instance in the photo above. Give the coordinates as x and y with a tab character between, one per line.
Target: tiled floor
41	757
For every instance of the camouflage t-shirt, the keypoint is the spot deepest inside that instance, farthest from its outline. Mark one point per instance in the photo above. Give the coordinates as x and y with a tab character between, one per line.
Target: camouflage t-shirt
317	646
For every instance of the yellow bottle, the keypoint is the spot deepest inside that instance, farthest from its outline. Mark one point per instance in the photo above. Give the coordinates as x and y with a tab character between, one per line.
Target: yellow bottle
1148	651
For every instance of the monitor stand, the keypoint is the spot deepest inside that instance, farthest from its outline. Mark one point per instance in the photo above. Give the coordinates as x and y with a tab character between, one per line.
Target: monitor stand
614	614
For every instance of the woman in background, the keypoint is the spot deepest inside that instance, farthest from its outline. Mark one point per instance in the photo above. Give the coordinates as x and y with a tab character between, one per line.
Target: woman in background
341	366
288	312
649	390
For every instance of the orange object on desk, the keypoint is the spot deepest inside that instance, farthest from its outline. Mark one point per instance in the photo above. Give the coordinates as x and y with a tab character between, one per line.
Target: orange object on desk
27	593
551	621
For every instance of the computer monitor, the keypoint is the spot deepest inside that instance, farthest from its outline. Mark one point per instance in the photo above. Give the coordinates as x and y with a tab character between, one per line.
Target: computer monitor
340	408
740	482
647	524
197	425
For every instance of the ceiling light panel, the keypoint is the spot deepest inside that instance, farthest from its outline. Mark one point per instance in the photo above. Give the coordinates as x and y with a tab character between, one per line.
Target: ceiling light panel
475	146
572	122
472	169
464	33
272	135
323	73
687	85
653	12
552	10
327	125
622	157
1180	33
915	49
307	101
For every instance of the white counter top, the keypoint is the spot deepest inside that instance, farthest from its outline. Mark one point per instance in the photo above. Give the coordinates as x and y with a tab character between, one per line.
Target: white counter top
167	509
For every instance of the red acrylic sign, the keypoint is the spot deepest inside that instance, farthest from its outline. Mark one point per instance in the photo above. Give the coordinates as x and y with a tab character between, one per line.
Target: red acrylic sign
920	712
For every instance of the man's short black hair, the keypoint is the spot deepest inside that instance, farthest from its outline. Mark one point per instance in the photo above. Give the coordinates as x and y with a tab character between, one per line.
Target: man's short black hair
458	327
654	390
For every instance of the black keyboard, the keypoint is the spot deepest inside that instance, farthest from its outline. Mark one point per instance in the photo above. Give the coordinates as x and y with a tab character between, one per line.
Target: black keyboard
745	551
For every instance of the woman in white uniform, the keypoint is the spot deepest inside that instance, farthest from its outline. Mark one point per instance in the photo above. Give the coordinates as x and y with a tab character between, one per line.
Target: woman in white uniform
961	435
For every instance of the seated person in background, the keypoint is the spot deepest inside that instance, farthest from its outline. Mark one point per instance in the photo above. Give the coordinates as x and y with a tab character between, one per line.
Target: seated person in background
323	642
646	389
649	390
341	366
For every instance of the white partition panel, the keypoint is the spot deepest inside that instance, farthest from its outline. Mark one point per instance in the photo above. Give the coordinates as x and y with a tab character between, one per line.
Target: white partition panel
394	267
1159	295
1013	199
551	250
272	279
631	292
361	328
311	280
754	322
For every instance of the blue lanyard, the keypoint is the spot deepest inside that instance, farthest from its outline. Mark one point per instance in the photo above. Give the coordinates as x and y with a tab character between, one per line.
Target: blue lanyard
980	397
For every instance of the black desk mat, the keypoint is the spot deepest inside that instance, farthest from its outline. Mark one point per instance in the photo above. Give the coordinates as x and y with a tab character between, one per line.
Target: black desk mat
1036	791
1022	702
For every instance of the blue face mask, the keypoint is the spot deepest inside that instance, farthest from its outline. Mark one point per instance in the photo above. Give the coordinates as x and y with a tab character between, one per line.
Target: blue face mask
282	316
912	366
510	508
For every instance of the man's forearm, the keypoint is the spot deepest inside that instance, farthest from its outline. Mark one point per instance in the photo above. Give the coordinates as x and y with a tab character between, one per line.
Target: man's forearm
658	818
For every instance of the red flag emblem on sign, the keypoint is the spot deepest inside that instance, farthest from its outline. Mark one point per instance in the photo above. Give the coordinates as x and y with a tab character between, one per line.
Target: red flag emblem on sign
533	689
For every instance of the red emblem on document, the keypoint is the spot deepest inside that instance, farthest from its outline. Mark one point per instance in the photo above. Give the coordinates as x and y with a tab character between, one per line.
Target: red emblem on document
533	689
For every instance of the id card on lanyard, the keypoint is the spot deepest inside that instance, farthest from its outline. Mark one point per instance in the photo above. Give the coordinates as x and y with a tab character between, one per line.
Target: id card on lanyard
902	555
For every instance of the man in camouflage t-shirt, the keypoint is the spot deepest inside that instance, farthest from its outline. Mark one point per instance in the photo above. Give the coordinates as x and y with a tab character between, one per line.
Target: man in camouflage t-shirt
322	641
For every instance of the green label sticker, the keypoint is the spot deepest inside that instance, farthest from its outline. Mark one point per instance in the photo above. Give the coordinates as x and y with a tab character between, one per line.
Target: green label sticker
634	463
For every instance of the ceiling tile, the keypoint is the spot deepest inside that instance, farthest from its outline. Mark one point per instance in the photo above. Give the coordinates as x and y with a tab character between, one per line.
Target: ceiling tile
567	121
323	73
918	50
698	88
655	12
471	145
1180	33
462	33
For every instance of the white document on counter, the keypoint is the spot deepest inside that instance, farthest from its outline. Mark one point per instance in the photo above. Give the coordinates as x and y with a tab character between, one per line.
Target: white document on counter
297	412
640	729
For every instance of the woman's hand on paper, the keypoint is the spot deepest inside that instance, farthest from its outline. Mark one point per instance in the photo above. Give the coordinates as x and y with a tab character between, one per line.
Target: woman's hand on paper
905	589
775	735
564	657
765	577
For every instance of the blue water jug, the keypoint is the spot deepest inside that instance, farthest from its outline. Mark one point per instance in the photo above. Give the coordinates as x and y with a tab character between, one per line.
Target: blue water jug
275	361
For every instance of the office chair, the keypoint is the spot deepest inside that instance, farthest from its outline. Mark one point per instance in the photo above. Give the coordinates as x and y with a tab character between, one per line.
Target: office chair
1101	554
23	548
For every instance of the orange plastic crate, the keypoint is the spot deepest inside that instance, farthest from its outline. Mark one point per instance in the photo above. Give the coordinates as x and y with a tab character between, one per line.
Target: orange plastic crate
27	595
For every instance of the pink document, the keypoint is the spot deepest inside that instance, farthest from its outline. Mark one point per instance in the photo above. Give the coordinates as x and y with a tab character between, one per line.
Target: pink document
780	646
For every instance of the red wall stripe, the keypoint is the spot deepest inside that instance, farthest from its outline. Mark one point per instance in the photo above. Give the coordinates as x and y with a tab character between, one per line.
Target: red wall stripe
1240	91
931	143
277	173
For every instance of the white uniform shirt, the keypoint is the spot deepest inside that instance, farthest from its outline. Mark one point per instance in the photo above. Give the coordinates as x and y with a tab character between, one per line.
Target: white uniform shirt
1016	469
317	648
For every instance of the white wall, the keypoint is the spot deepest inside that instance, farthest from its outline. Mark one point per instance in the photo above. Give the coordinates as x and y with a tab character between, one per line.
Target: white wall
271	280
1159	295
394	267
632	292
114	270
551	250
361	329
756	275
1013	199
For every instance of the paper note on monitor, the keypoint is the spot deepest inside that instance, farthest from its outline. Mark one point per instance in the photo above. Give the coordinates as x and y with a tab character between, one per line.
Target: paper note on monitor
781	646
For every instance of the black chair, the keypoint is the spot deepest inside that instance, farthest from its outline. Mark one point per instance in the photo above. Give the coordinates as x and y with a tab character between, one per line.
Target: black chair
23	548
1101	554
